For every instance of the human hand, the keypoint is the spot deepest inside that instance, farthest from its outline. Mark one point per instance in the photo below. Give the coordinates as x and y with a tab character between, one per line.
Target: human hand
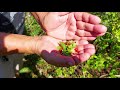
74	25
47	48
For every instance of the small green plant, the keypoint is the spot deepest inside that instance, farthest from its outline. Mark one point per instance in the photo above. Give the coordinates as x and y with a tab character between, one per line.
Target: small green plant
67	48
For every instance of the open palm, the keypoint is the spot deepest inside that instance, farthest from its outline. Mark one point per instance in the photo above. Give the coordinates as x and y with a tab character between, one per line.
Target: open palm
74	25
50	53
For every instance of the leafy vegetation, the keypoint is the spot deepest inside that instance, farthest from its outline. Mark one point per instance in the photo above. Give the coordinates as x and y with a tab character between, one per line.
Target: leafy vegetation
67	48
104	64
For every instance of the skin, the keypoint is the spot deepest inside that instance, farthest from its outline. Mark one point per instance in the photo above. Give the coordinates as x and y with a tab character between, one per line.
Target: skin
74	25
59	26
45	46
52	56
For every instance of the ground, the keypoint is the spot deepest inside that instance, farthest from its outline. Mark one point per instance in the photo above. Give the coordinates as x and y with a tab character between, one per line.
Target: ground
104	64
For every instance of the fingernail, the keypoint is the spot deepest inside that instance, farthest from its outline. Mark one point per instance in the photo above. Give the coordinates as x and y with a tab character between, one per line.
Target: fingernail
70	63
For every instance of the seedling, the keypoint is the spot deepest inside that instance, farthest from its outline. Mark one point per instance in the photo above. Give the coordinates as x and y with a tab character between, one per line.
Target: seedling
67	48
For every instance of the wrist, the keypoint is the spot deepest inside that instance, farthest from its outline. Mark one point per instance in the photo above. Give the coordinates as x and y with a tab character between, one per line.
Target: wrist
35	45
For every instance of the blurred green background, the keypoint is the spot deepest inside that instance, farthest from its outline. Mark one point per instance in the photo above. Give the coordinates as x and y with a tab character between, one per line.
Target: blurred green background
104	64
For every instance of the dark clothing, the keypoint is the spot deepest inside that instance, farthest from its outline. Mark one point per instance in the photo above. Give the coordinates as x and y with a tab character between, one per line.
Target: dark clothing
12	22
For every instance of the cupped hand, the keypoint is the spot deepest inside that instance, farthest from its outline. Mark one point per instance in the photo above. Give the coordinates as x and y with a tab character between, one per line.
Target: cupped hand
73	25
47	48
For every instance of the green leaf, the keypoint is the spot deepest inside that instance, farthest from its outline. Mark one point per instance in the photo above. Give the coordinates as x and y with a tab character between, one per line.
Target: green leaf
66	53
62	44
67	48
74	45
25	70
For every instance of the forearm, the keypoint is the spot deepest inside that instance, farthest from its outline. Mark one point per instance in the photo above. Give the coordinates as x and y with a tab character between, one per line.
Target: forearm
14	43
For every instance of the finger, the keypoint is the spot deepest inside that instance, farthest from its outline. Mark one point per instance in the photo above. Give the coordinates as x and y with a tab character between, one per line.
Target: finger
85	48
88	38
76	59
91	51
81	42
101	34
84	45
100	29
90	27
85	51
87	17
76	37
89	48
84	56
79	48
83	33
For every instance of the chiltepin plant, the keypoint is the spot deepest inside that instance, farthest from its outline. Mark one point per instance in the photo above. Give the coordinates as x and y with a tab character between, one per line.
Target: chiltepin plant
67	48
